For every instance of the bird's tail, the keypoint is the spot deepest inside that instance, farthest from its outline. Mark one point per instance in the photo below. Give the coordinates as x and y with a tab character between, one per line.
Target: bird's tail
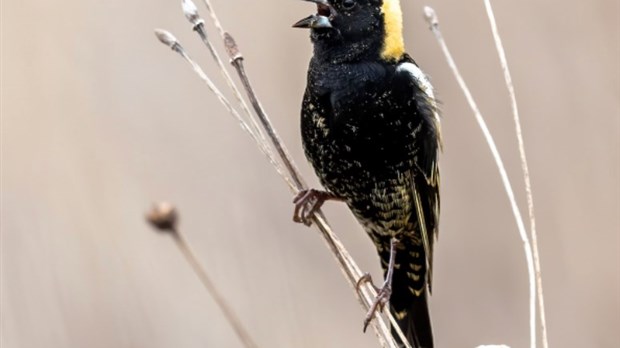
416	322
409	300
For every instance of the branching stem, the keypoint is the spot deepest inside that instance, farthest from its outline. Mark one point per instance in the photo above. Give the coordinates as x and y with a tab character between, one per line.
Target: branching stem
236	59
524	167
433	21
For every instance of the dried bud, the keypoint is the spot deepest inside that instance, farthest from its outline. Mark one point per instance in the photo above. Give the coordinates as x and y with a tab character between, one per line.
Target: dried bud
163	216
431	16
166	38
231	47
191	12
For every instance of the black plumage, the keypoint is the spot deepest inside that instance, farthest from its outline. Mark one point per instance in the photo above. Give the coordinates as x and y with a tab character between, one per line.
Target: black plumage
370	129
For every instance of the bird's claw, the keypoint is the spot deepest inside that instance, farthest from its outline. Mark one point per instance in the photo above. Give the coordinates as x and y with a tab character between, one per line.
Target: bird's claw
385	292
307	203
383	297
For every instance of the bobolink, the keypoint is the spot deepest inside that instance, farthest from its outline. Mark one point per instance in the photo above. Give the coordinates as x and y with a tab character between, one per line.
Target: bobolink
370	129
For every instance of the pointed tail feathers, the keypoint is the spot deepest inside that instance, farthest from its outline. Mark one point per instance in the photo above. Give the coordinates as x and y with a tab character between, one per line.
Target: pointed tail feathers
409	299
413	317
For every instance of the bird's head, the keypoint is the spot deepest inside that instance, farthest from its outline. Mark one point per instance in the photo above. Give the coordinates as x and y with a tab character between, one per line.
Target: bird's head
357	28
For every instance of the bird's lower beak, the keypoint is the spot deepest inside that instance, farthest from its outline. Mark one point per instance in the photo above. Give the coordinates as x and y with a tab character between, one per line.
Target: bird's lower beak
313	22
325	13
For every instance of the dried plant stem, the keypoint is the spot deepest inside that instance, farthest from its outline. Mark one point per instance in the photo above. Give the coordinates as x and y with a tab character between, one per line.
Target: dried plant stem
168	39
229	81
433	21
191	13
524	167
164	218
230	315
216	20
352	273
236	59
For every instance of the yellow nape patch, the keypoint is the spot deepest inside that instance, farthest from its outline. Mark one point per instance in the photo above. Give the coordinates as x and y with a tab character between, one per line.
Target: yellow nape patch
393	43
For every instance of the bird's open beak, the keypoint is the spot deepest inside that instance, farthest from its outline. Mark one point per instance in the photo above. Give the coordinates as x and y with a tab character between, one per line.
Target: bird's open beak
322	19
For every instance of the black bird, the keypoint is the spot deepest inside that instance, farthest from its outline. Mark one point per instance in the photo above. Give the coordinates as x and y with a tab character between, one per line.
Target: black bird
370	129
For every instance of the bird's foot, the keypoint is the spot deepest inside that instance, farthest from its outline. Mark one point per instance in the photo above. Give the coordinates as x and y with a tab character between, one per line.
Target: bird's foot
308	202
383	297
384	292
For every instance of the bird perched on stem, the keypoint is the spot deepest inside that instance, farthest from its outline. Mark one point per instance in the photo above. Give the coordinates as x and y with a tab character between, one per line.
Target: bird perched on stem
370	129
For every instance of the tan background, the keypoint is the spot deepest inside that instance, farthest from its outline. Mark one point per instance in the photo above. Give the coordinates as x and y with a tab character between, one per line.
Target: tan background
99	120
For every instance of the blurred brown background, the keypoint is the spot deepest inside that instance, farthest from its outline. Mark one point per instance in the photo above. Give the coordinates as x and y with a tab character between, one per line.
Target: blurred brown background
99	120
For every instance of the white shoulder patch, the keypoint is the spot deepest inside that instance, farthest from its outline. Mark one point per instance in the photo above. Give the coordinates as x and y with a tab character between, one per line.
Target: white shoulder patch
423	82
417	74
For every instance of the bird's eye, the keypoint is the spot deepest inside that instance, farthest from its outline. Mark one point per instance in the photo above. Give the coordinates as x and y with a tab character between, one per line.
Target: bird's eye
348	4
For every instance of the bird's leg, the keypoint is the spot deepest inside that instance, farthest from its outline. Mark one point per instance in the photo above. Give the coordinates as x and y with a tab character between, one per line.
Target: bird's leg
308	202
385	291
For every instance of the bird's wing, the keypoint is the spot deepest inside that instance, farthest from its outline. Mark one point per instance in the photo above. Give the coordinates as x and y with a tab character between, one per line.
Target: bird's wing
426	179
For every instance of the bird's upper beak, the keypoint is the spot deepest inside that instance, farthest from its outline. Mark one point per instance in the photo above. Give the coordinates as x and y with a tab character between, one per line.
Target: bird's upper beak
322	19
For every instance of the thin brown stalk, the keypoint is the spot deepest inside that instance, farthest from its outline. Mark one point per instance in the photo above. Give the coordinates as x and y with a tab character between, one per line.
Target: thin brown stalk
236	59
191	13
228	312
433	21
524	167
168	39
164	217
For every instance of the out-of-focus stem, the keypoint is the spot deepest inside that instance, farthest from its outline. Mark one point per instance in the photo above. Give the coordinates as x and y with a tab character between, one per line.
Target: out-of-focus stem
433	21
524	167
